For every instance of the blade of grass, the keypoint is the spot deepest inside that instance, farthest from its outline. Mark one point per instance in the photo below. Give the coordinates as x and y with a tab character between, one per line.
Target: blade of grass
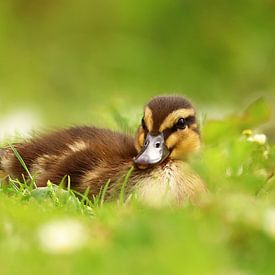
69	183
22	163
122	191
53	193
85	195
104	192
62	183
88	201
13	184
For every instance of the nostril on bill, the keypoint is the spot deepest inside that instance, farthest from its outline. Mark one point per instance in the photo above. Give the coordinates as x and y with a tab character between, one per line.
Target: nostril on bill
157	144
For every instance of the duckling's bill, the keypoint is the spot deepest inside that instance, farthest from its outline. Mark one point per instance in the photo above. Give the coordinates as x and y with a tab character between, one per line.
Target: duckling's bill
154	151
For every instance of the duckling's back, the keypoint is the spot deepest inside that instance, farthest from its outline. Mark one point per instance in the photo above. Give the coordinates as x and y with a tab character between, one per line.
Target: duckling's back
86	154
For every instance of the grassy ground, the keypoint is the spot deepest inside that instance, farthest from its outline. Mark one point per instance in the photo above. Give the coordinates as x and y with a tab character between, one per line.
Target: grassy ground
50	230
69	62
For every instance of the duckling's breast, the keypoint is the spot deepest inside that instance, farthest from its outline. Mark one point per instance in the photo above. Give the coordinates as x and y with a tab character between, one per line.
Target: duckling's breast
173	183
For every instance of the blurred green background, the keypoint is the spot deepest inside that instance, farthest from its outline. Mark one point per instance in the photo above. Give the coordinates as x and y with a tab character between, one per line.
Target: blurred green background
66	62
70	61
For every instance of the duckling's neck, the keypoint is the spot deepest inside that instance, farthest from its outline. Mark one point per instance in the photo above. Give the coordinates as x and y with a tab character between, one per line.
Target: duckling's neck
172	182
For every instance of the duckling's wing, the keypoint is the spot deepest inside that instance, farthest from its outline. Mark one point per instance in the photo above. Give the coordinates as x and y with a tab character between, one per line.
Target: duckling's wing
74	152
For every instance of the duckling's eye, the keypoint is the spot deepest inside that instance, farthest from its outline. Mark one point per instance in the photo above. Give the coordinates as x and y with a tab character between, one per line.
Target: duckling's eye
181	124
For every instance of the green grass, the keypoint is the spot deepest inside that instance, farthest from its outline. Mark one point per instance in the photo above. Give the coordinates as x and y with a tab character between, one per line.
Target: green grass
84	62
232	231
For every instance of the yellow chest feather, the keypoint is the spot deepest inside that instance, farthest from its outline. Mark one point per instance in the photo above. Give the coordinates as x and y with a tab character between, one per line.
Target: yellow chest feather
174	183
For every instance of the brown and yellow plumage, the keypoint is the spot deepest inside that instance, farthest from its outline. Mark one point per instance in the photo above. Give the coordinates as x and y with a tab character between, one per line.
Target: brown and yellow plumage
91	156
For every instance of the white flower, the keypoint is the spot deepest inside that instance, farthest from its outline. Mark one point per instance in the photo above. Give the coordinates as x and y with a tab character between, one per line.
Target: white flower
20	123
62	236
258	138
269	222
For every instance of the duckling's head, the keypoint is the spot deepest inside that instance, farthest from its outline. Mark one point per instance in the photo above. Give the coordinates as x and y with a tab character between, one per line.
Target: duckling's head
168	130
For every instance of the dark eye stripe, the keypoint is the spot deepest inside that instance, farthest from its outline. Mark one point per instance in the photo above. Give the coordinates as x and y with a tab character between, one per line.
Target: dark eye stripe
145	129
167	132
190	120
143	125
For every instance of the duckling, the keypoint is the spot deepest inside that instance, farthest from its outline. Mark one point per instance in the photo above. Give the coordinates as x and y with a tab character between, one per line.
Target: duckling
91	157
